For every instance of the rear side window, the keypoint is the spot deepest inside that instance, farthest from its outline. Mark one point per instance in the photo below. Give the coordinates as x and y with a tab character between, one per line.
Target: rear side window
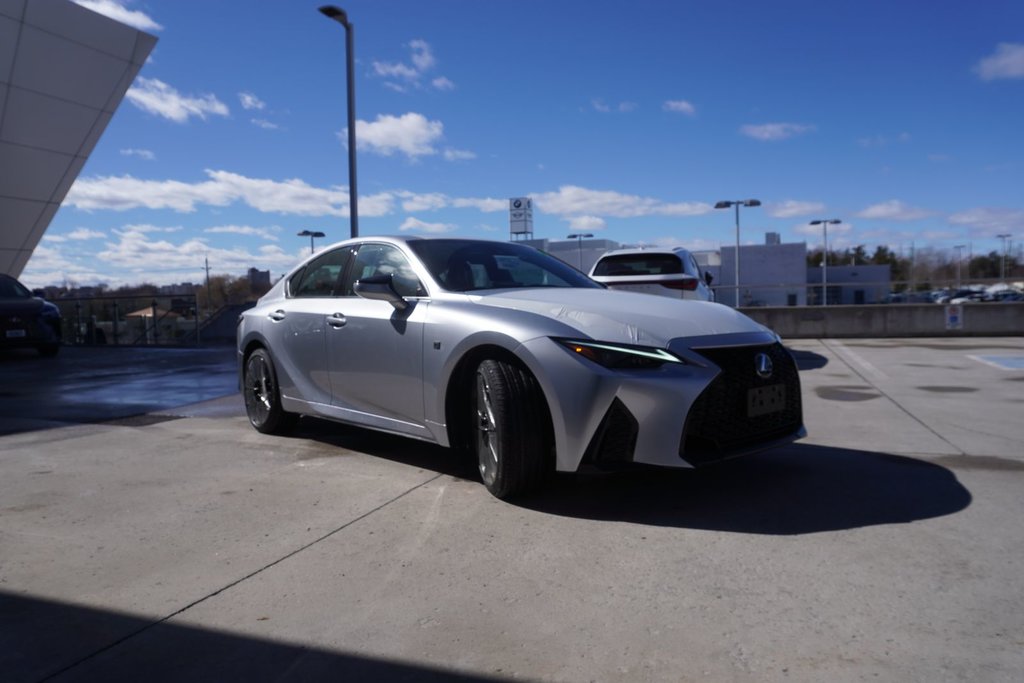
639	264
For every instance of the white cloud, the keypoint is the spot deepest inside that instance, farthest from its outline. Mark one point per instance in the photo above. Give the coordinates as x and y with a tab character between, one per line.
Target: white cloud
422	55
1007	62
990	221
792	208
818	231
250	101
622	107
416	225
680	107
599	105
264	124
894	210
141	153
586	223
771	132
571	200
486	205
413	202
117	11
411	134
156	97
85	234
411	75
265	233
458	155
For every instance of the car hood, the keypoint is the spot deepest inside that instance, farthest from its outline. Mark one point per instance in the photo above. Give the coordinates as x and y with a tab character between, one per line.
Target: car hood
30	308
625	317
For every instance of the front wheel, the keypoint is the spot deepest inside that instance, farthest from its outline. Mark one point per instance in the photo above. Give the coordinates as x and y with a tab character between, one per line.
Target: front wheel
262	396
513	433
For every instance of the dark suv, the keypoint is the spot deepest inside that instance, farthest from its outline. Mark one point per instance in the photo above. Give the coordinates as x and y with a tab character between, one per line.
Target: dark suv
26	320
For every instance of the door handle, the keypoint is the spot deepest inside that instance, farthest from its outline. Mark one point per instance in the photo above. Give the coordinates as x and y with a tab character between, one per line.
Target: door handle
277	316
336	320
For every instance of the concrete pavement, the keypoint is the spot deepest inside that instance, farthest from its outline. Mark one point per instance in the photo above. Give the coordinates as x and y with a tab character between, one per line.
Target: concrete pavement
187	546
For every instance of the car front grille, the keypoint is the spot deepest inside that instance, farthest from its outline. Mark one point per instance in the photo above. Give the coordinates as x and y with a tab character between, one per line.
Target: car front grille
720	424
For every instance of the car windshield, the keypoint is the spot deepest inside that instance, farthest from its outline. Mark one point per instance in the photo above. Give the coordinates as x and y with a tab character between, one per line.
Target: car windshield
639	264
12	289
467	265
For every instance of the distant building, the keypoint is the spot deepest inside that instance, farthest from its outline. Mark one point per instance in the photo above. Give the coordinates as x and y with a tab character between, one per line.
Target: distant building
581	254
771	274
850	285
259	280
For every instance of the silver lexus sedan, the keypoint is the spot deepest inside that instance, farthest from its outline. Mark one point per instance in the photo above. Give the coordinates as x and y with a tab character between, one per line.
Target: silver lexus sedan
499	350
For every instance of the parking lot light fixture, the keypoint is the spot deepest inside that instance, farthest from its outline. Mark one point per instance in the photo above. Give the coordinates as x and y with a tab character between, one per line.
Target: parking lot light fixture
725	204
337	14
959	259
824	223
1002	262
311	234
579	237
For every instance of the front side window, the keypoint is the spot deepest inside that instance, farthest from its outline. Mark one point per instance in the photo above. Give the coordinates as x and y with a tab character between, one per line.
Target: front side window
321	275
373	260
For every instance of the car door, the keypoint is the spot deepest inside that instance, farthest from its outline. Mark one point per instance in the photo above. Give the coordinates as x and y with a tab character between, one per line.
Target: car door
375	352
298	327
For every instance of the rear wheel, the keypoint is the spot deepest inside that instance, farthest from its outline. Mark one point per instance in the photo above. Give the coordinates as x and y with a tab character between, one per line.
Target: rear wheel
513	439
262	396
48	350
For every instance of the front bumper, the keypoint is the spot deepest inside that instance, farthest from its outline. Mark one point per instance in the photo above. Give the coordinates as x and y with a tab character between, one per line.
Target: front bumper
679	415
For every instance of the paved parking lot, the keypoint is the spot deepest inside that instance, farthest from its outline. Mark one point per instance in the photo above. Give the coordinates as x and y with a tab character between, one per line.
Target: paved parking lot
186	546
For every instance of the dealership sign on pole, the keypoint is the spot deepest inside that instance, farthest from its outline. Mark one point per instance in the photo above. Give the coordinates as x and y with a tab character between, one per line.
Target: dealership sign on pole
520	216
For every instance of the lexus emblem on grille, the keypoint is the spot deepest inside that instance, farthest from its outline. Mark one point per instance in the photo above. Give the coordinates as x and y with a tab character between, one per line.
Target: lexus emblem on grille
763	365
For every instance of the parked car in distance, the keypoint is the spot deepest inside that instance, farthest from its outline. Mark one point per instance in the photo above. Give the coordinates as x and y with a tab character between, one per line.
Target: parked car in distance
26	320
665	272
514	357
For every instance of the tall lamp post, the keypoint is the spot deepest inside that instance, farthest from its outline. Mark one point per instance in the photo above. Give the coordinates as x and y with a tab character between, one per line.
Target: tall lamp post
579	237
824	223
725	204
959	259
311	234
1002	263
338	15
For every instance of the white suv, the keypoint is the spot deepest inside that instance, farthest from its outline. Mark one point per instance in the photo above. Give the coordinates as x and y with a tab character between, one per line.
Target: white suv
665	272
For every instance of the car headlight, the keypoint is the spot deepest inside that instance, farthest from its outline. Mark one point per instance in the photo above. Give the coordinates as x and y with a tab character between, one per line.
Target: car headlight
620	356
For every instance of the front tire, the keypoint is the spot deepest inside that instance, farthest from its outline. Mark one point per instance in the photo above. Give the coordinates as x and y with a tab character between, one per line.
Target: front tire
513	441
263	397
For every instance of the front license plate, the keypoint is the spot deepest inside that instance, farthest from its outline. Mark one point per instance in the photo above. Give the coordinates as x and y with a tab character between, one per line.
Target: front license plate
764	400
15	334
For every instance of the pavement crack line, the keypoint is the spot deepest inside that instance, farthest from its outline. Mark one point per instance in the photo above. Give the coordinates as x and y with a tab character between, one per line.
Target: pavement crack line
256	572
872	377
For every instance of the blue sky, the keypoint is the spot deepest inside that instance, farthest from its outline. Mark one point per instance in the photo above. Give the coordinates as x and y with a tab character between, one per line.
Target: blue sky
626	120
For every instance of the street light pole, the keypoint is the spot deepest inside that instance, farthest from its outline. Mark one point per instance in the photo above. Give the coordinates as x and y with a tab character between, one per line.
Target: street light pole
959	259
310	234
579	237
725	204
824	223
1002	262
338	15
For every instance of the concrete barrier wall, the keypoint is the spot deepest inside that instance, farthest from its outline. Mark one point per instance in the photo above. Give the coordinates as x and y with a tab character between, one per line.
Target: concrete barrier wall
893	320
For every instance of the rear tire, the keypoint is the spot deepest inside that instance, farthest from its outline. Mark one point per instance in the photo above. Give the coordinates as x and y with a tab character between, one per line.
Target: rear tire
512	441
48	350
263	397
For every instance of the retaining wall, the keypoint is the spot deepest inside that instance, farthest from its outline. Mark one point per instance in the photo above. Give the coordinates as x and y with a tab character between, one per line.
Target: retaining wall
892	320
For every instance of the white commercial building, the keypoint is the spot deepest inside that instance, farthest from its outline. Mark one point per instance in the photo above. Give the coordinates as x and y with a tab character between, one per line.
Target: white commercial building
63	72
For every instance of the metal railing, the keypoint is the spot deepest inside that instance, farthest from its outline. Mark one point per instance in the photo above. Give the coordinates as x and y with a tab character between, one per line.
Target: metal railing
130	321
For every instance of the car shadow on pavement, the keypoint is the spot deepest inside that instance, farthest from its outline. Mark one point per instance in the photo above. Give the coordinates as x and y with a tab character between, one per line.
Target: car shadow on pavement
808	360
799	489
41	639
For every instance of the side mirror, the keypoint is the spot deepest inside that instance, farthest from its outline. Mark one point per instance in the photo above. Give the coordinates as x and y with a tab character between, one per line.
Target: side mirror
379	288
708	277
